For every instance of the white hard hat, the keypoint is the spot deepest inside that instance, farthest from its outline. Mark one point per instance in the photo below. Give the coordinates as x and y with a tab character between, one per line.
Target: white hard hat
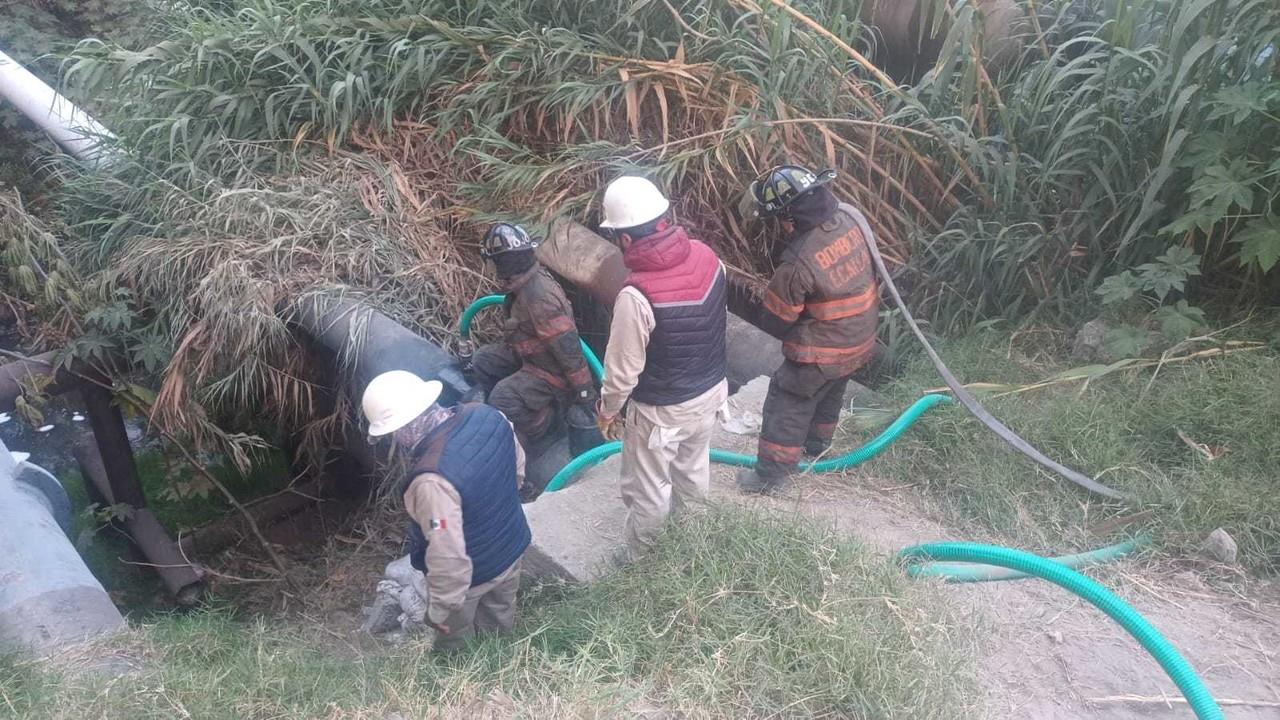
631	201
393	399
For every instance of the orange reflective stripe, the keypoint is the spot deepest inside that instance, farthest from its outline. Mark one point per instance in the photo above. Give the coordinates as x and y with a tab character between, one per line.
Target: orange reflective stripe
815	355
579	377
552	327
779	453
845	307
779	307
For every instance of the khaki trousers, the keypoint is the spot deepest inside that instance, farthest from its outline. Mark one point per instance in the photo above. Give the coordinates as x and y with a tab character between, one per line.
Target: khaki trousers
664	469
489	608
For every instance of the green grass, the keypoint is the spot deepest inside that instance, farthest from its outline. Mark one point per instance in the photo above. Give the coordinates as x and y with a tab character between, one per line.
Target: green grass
735	615
1118	429
181	511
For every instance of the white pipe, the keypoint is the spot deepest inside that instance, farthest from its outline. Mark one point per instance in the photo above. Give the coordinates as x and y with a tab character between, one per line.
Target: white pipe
69	126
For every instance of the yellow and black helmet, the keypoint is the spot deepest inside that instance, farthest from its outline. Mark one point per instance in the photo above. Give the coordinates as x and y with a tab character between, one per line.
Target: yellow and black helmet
776	189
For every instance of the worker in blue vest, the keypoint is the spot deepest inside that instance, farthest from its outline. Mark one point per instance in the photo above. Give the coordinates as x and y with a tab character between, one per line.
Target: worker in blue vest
462	493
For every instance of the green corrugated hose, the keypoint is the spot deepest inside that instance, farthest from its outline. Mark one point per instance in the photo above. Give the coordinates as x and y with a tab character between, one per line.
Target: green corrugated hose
1174	664
469	315
866	452
968	572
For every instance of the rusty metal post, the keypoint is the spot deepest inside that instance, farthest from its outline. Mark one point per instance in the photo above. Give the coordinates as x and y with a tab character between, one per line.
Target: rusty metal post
113	443
182	579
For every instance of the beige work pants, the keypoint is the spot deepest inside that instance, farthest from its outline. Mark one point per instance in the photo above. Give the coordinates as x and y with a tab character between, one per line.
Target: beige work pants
664	469
489	608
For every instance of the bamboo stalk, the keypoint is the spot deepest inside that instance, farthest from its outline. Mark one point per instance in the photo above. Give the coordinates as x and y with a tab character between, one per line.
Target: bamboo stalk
892	87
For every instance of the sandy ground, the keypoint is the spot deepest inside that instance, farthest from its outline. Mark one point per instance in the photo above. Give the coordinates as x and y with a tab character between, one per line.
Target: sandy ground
1047	654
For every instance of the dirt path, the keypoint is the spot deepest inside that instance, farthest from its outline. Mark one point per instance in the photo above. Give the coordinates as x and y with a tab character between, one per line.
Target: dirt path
1047	654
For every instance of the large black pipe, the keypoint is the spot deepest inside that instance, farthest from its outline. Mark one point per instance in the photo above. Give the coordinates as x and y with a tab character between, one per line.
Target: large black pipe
365	343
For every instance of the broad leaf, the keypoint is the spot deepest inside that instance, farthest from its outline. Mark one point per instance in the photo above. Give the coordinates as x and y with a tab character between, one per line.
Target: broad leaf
88	347
1240	101
1179	321
1260	242
1206	149
111	318
1170	271
1202	219
1126	341
1118	288
151	352
1222	187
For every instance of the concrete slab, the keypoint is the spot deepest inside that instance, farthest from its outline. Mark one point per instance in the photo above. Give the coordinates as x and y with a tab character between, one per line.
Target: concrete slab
577	531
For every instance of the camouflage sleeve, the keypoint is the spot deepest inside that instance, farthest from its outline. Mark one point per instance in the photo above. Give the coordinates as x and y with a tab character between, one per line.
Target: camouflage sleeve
785	297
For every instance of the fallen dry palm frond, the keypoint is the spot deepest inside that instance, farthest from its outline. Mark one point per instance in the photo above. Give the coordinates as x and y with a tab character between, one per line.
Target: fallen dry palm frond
211	289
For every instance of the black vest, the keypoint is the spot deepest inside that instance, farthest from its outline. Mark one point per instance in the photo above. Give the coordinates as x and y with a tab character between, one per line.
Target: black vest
686	286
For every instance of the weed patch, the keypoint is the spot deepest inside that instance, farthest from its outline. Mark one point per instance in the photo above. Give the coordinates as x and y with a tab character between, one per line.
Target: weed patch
1136	430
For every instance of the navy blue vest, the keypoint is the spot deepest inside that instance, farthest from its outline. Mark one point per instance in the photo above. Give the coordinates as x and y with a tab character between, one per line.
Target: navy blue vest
475	451
686	286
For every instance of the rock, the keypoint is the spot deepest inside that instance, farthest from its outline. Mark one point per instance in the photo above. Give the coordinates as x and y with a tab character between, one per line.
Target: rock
1221	547
383	615
1090	343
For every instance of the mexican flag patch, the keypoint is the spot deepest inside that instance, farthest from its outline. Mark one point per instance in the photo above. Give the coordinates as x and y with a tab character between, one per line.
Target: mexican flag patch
438	524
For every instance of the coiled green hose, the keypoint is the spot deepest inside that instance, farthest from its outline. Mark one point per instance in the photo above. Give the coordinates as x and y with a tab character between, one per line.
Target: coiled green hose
1170	660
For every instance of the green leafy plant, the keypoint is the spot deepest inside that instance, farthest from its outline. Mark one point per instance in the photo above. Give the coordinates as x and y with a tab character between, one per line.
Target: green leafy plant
1168	273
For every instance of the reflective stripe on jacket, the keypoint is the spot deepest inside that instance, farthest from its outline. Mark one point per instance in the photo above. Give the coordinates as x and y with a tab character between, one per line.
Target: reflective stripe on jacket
540	329
823	300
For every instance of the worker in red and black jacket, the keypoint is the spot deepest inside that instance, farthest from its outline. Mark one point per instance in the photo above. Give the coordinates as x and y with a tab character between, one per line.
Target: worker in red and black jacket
540	365
823	303
666	359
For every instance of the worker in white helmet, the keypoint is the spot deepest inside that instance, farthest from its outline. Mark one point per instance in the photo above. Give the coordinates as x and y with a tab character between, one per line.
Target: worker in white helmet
666	355
462	495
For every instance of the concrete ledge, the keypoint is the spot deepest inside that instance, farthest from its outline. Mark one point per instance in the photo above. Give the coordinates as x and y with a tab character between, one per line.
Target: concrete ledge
58	617
577	531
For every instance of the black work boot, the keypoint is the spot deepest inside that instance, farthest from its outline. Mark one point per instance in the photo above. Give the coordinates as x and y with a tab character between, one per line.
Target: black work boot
750	481
814	448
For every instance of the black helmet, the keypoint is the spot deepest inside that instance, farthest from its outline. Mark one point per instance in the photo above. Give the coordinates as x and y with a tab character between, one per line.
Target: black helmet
505	238
776	189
